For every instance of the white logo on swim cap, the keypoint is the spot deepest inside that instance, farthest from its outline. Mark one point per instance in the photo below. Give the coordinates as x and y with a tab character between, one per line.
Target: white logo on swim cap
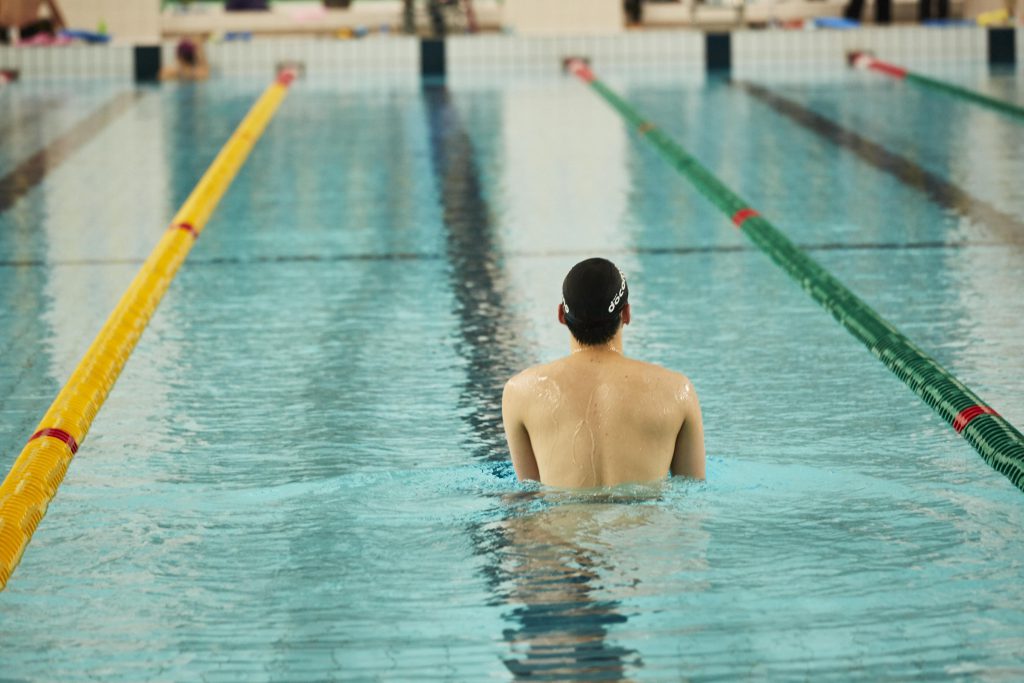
618	297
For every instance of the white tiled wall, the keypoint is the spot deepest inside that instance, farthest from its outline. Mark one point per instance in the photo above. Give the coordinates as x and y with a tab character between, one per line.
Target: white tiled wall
70	61
828	47
1020	39
467	53
320	57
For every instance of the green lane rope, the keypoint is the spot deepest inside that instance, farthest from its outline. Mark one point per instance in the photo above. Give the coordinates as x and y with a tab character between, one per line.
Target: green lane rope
995	439
862	60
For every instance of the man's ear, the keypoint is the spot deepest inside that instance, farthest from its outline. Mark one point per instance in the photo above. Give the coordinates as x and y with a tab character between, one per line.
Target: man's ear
561	313
626	314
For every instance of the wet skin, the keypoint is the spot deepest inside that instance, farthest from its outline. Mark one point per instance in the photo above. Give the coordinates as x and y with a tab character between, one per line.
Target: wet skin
598	418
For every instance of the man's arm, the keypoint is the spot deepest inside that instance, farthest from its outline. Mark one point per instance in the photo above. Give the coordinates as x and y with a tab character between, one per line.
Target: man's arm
523	459
688	459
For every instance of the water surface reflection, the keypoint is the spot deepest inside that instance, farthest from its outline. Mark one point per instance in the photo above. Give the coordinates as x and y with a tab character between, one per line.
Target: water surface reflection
577	568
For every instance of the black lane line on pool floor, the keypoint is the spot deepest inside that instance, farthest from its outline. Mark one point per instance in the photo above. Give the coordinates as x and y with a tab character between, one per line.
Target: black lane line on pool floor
33	170
642	251
490	340
33	116
934	186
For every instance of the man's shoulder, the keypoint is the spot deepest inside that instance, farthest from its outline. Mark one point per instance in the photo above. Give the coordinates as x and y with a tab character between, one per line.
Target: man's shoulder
540	370
522	388
527	377
659	372
668	387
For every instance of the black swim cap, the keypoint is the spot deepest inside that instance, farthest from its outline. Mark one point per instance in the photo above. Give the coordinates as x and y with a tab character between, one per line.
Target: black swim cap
594	291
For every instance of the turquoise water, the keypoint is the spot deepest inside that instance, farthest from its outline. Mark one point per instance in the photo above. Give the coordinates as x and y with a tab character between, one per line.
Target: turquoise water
301	474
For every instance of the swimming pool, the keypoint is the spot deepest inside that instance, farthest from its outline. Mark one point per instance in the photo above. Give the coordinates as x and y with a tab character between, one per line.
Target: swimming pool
301	473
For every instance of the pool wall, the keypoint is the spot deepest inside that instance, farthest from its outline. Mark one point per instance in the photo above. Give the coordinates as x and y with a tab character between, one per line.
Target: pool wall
376	56
899	45
400	56
70	61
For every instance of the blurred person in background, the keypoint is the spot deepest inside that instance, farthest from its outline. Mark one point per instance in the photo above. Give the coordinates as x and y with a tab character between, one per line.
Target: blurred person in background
246	5
189	62
22	17
925	7
634	12
408	17
883	10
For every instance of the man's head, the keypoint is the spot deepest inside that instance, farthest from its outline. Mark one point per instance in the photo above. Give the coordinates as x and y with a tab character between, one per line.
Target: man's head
187	52
595	301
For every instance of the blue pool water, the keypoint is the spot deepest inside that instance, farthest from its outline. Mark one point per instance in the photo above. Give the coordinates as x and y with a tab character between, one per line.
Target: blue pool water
301	473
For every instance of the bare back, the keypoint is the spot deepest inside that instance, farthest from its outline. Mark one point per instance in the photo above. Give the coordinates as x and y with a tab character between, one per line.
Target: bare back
597	418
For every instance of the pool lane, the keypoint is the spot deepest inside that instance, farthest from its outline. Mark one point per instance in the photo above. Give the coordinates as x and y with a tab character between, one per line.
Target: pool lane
866	61
491	340
40	468
558	623
1003	225
992	436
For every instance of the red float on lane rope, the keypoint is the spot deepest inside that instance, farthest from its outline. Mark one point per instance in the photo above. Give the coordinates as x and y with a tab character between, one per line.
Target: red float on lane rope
965	416
743	215
863	61
187	227
57	434
579	68
285	77
889	69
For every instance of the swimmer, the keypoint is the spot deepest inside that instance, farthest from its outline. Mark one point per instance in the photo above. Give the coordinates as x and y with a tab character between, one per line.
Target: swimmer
595	417
190	62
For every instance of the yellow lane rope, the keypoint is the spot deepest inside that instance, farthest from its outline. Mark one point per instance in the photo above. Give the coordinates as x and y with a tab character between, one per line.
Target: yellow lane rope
40	468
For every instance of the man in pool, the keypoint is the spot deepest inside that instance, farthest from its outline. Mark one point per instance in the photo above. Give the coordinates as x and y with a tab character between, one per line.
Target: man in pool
595	417
190	62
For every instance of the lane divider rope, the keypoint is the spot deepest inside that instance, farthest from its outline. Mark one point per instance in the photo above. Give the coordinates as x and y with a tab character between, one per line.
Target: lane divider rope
995	439
37	472
863	60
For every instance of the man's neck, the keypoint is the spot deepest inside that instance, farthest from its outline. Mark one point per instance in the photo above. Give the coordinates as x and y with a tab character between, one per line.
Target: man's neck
613	346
